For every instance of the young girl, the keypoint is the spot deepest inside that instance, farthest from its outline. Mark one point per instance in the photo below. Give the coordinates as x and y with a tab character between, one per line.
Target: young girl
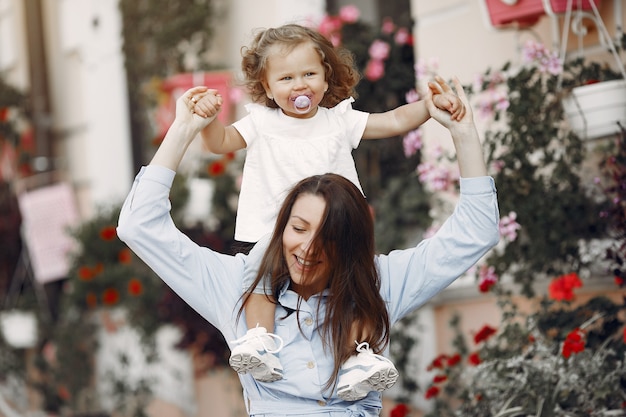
301	123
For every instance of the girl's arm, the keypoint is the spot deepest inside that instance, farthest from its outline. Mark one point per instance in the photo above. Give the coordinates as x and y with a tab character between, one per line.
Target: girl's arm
410	116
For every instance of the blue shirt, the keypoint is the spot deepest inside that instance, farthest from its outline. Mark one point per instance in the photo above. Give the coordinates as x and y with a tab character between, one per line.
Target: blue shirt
211	283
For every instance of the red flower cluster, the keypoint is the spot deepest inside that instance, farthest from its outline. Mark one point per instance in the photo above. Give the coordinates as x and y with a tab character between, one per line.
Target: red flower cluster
87	273
216	168
474	359
135	287
562	288
431	392
124	256
108	233
483	334
574	343
110	296
400	410
443	360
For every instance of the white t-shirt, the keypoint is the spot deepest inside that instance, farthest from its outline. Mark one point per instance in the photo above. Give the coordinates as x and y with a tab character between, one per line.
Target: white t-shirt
281	150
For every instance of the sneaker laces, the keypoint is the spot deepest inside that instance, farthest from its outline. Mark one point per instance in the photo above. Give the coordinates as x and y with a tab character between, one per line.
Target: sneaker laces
260	338
364	347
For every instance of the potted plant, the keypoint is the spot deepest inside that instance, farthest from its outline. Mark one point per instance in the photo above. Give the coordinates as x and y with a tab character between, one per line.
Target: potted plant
595	96
594	107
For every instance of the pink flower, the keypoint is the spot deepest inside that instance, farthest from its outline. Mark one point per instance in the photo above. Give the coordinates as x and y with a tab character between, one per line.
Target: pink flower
497	165
547	61
388	26
349	14
412	96
435	178
329	25
379	50
508	227
402	36
374	70
487	278
412	142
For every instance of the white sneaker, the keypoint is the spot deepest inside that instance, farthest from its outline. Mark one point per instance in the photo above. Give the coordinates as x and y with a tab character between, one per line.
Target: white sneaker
255	354
365	372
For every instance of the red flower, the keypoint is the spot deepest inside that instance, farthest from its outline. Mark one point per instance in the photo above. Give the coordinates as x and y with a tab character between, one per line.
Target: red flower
483	334
111	296
216	168
454	359
63	393
135	287
91	300
98	269
574	343
619	281
474	359
439	378
400	410
108	233
85	273
438	362
562	288
124	256
431	392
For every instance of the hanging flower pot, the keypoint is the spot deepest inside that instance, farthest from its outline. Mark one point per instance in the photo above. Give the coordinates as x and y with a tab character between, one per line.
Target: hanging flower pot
593	110
19	328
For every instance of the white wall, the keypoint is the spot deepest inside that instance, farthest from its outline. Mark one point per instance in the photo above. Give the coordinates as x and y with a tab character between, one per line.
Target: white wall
89	98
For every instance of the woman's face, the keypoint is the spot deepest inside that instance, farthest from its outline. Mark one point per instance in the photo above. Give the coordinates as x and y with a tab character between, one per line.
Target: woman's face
302	226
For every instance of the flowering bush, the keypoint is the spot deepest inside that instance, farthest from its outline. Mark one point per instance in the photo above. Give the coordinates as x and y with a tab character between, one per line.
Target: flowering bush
535	157
561	360
384	57
564	358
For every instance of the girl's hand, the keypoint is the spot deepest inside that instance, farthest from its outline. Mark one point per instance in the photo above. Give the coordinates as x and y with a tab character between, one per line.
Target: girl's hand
186	105
455	110
207	104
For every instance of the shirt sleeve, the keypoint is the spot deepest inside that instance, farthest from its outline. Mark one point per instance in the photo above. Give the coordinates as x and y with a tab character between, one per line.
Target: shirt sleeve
208	281
413	276
355	121
246	126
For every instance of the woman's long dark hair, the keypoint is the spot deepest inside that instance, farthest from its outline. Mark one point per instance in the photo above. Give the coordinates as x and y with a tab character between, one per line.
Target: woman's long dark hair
346	237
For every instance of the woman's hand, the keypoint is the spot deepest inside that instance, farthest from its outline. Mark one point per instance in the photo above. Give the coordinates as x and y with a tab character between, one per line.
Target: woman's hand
191	112
186	126
439	86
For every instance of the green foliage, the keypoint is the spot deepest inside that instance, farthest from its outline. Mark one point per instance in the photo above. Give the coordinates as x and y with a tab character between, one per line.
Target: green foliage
541	163
158	36
524	372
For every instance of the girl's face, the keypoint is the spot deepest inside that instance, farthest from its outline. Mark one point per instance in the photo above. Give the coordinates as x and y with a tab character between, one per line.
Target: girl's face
293	73
302	260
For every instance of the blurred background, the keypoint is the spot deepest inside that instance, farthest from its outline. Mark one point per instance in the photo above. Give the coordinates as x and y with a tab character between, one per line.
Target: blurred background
87	92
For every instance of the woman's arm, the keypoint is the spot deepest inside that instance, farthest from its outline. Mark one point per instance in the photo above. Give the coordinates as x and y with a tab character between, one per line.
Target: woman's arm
208	281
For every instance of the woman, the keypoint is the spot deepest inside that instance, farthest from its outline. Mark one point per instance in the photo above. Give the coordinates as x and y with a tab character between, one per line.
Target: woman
323	233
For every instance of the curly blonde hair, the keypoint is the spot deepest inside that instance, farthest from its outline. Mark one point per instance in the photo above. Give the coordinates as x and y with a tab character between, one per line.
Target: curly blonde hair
340	71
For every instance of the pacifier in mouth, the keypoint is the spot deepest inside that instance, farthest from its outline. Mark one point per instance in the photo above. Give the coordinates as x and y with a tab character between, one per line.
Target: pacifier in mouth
302	104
